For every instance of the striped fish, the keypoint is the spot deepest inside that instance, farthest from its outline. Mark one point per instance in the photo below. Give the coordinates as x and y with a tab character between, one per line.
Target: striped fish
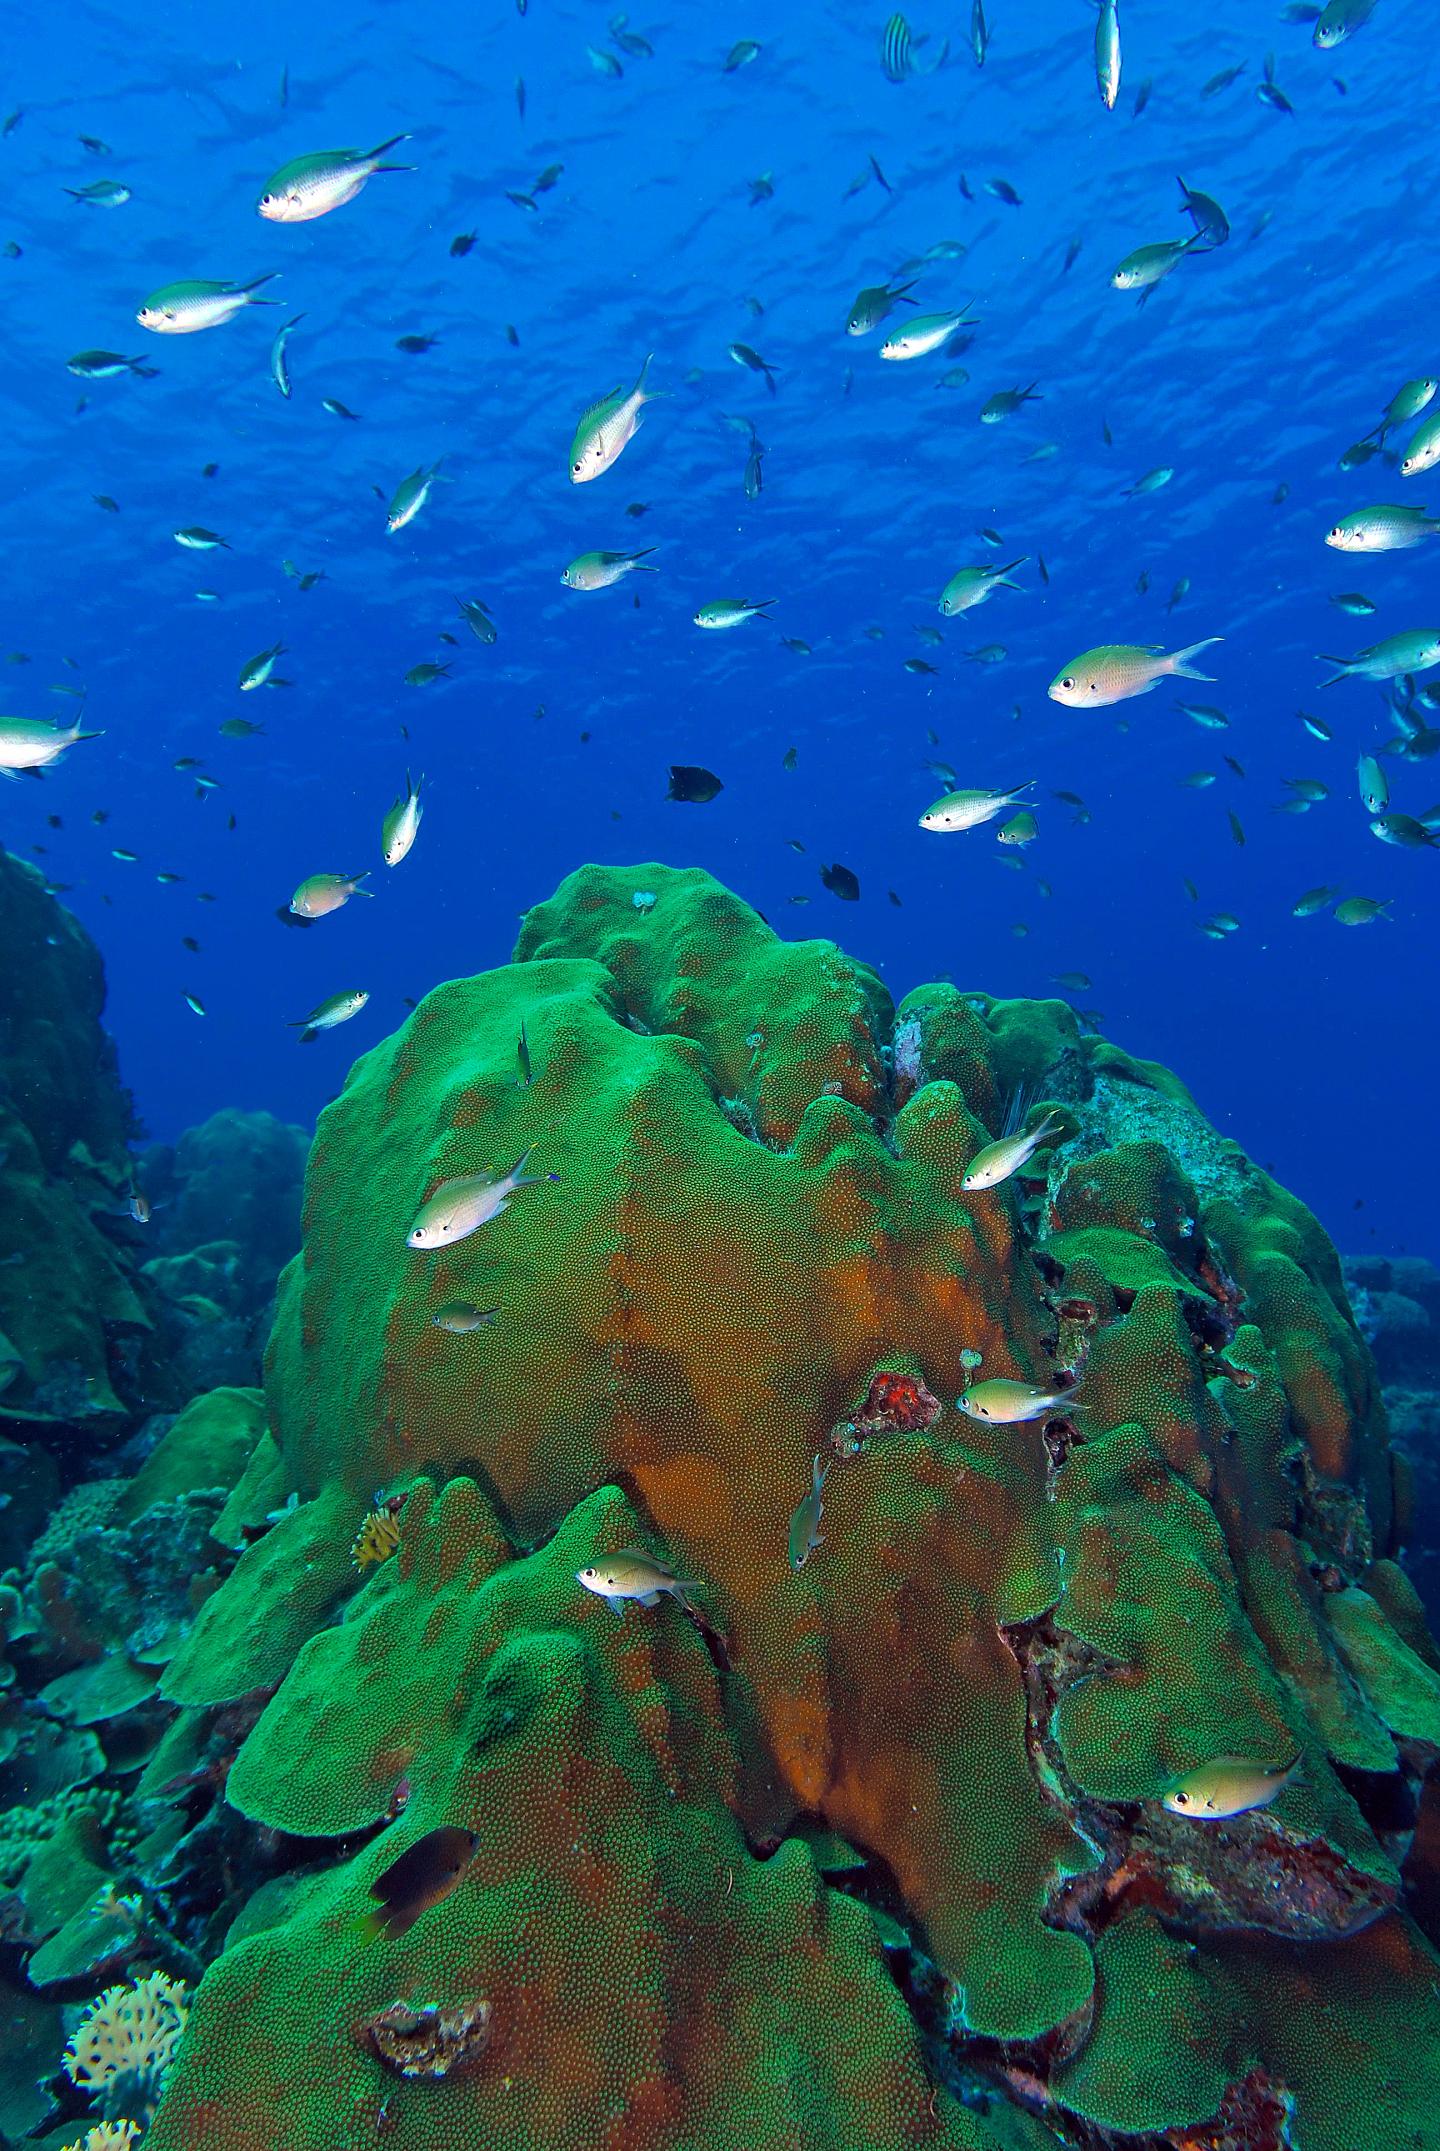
897	51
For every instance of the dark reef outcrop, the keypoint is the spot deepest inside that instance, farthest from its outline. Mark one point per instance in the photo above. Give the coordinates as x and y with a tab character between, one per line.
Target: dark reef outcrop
863	1855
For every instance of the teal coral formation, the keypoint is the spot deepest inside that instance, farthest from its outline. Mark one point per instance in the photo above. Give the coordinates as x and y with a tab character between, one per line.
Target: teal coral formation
1010	1644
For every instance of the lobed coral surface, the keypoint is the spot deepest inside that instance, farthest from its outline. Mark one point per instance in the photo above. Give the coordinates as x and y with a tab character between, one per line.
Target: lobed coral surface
872	1853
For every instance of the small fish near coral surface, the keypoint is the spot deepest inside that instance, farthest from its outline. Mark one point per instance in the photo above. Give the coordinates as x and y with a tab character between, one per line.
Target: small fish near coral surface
423	1876
805	1523
461	1206
1004	1403
460	1317
1001	1160
1228	1786
633	1574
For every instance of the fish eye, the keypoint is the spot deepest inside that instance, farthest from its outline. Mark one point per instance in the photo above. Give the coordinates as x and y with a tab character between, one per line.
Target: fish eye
1067	683
1181	1799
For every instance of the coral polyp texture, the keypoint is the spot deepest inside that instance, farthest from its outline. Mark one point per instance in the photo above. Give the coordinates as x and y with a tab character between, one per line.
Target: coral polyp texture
874	1853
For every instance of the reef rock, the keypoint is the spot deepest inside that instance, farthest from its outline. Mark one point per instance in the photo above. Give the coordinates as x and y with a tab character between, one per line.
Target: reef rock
1397	1305
872	1852
72	1321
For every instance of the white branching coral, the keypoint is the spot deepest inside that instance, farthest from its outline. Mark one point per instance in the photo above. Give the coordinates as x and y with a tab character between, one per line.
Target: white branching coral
109	2136
128	2032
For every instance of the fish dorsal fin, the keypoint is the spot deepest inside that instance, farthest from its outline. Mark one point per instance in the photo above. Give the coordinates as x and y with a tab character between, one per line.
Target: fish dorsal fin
638	1553
604	406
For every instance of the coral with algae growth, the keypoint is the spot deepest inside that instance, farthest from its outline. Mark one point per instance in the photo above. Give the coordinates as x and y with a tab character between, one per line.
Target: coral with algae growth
1011	1643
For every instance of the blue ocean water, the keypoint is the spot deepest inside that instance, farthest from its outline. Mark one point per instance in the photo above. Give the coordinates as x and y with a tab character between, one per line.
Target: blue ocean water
1248	371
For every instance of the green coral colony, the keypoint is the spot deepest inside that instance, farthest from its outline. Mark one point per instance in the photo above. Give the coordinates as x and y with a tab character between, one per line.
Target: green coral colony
1069	1788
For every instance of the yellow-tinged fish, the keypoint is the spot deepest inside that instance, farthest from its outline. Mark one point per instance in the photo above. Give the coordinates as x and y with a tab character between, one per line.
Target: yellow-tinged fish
401	825
732	612
1228	1786
1150	265
27	743
410	497
460	1317
1373	783
335	1009
1001	1160
182	309
805	1523
1117	670
607	429
309	187
1416	650
258	671
461	1206
969	587
1339	20
320	894
922	334
633	1574
599	571
1424	450
1003	1403
874	303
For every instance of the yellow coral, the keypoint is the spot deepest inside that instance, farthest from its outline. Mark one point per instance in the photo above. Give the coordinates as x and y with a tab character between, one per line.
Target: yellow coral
376	1539
109	2136
128	2031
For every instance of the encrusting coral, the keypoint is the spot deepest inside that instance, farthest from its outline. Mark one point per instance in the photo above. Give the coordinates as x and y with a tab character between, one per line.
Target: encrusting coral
1010	1644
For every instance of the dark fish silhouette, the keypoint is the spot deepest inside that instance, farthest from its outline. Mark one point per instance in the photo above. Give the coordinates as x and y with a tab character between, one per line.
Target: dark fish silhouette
842	883
424	1875
696	787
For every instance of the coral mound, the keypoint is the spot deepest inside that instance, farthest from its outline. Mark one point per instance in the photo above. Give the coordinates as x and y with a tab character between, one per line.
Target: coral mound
872	1854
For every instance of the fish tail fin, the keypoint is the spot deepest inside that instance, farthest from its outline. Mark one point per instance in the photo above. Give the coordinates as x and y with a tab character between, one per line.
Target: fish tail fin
76	733
644	553
309	1036
379	150
1343	663
1180	664
356	879
255	283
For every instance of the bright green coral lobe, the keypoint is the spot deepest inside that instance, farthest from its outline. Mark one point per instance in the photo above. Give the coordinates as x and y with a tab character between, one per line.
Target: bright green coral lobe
1011	1642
